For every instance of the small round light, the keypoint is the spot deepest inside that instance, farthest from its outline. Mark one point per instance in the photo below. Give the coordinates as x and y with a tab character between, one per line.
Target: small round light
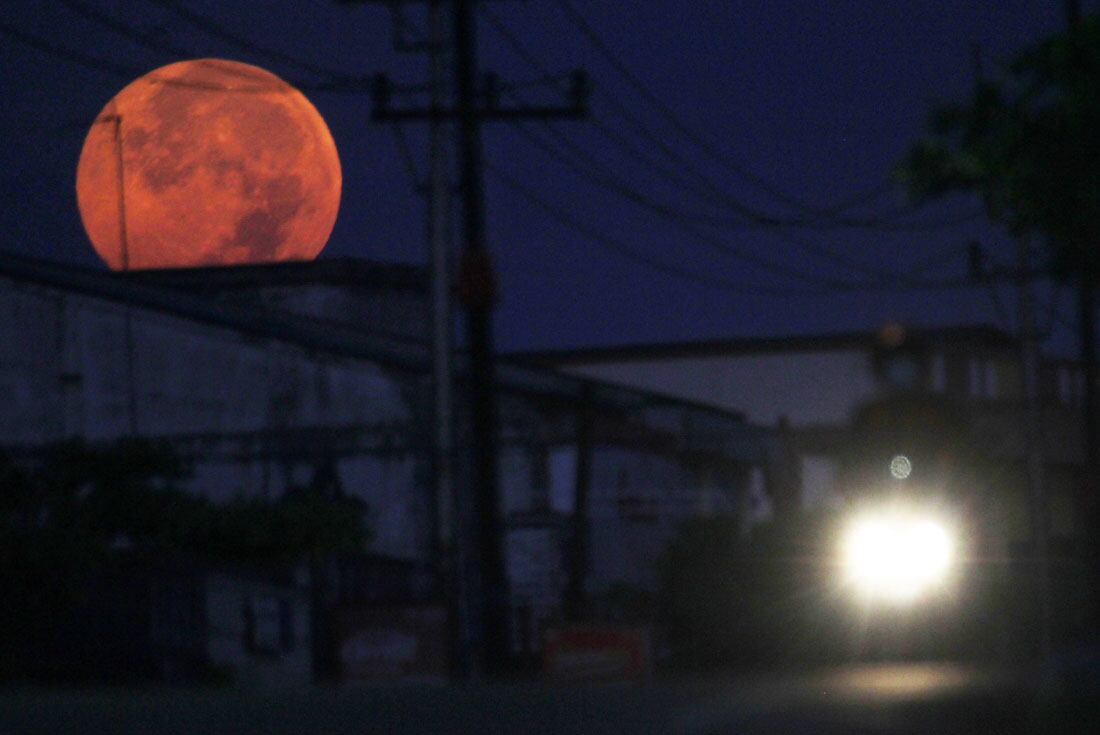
900	467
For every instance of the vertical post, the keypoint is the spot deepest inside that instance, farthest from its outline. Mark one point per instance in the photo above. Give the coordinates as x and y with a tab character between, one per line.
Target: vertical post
1033	438
124	251
448	549
1073	12
123	238
1090	404
131	372
1091	398
477	292
1087	341
1090	408
576	598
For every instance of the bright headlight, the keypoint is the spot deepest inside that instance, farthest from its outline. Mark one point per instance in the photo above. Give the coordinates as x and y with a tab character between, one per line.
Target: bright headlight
897	557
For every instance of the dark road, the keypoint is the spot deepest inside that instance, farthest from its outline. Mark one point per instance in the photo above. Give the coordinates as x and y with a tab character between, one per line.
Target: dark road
908	698
885	698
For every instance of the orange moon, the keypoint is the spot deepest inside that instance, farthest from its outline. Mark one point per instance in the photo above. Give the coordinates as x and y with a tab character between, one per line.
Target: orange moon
208	162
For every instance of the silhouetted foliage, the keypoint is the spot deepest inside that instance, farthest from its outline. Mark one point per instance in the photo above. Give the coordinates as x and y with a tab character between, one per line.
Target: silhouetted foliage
129	494
1026	143
70	509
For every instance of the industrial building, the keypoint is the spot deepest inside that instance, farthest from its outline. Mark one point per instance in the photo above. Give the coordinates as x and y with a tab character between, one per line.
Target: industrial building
809	388
265	376
921	412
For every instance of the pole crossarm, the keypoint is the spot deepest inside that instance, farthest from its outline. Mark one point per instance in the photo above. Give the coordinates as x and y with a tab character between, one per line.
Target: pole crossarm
488	110
489	115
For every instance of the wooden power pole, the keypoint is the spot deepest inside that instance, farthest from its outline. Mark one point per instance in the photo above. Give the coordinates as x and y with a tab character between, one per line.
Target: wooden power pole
472	106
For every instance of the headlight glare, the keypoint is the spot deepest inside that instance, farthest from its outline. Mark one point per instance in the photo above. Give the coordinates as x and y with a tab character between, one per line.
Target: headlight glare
895	557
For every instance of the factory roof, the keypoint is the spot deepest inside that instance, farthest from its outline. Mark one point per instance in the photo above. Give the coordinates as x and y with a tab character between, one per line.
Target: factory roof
168	292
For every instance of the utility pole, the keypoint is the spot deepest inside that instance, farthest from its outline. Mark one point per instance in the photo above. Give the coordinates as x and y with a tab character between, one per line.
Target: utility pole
1091	399
476	290
439	195
1031	419
576	593
1090	404
448	551
449	556
1087	339
1033	440
115	119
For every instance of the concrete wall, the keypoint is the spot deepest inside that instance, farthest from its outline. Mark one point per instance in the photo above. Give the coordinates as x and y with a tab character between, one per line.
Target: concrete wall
247	412
77	365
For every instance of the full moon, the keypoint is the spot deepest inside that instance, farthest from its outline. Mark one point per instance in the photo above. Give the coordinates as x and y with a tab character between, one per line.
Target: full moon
208	162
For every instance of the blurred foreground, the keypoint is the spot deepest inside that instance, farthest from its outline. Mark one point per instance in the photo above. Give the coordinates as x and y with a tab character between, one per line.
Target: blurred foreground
884	698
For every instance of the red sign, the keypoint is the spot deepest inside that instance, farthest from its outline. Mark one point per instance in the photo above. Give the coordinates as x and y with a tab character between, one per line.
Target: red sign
597	652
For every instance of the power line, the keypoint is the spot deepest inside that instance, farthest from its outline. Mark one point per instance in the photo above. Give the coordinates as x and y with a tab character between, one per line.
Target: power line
940	256
710	190
623	250
90	62
678	124
818	216
746	216
214	29
685	222
582	164
336	81
614	184
749	216
609	182
627	252
106	66
111	23
886	224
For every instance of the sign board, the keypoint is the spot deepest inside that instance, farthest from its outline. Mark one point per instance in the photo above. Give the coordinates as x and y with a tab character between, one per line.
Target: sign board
388	644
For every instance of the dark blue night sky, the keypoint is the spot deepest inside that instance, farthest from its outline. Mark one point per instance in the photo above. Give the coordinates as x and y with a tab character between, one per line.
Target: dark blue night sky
818	98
